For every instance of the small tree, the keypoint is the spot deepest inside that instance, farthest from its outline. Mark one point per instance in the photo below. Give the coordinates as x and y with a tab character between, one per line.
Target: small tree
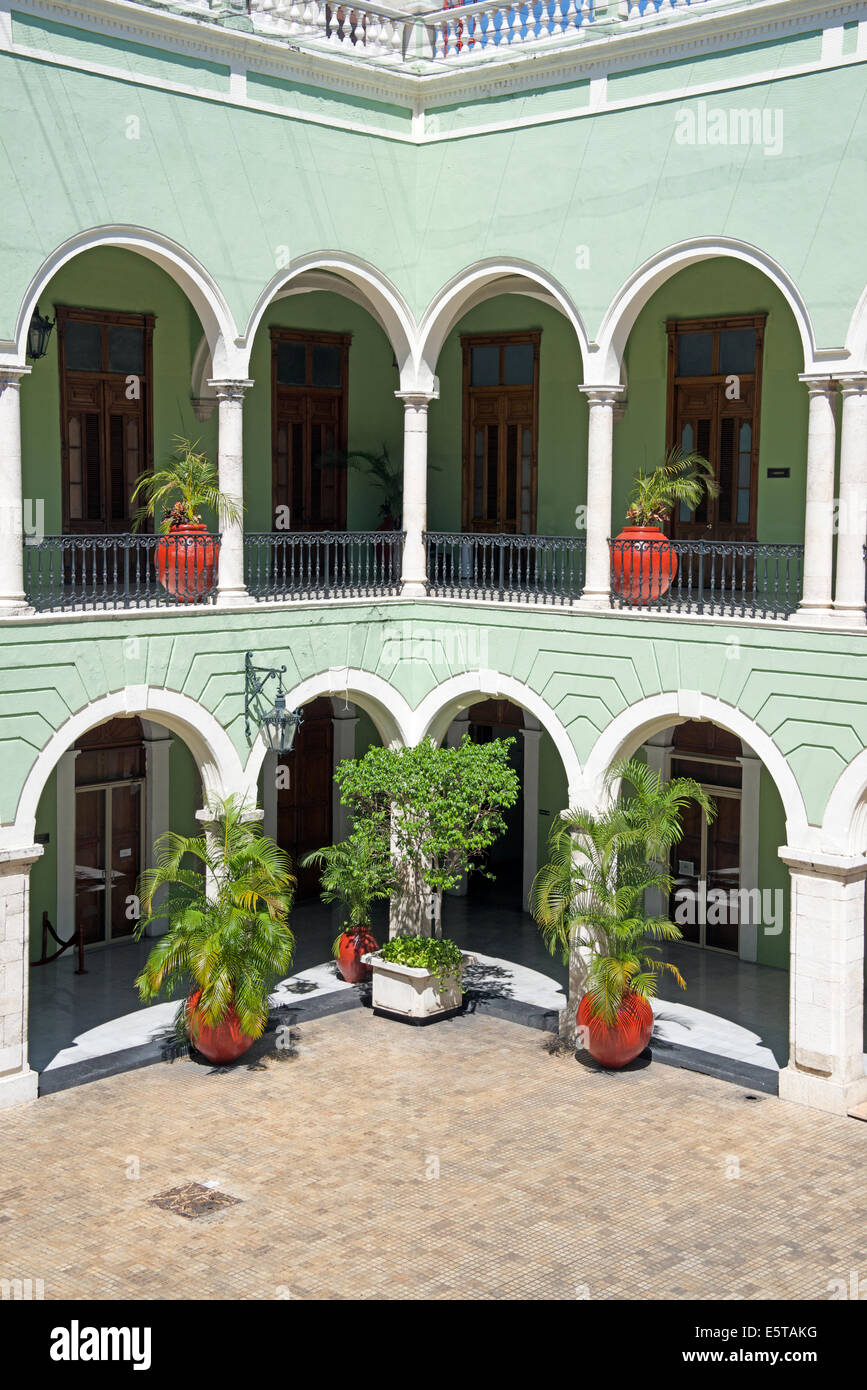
438	809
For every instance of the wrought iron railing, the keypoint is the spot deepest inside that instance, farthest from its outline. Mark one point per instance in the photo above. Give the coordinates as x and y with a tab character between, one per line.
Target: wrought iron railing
80	573
532	569
746	579
322	564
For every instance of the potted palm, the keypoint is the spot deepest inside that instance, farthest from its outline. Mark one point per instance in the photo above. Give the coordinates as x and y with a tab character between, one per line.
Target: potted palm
388	478
589	902
186	555
357	873
228	941
643	562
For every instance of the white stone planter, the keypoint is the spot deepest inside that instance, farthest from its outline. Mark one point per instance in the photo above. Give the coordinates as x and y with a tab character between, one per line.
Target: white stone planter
411	993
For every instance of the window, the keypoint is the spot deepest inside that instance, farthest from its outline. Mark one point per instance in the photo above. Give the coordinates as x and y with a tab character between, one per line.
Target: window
309	415
105	415
714	401
501	422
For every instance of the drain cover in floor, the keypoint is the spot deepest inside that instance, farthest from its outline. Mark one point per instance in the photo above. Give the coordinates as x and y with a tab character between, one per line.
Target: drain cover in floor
193	1200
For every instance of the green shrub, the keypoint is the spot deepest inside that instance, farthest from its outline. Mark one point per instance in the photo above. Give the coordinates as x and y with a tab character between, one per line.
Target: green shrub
439	955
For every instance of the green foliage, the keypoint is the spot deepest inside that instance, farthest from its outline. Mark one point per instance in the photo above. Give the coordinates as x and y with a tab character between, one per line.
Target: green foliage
591	891
685	476
439	809
442	957
186	483
230	939
387	476
357	873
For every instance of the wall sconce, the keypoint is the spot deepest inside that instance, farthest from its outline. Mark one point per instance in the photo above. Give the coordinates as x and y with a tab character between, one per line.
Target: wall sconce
38	334
278	725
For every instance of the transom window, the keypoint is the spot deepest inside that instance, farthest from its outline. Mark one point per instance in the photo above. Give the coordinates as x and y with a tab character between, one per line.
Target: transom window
714	401
501	423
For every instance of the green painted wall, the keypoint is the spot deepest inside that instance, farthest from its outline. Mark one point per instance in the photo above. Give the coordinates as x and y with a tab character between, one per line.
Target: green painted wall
117	280
553	793
719	288
186	789
375	413
773	874
43	875
365	734
562	482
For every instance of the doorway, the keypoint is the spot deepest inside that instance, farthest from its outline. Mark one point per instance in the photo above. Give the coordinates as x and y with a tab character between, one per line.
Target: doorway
706	864
109	829
304	794
489	720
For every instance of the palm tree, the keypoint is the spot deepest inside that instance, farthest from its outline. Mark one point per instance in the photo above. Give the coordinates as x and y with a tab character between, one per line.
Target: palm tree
683	477
228	911
357	873
187	482
591	892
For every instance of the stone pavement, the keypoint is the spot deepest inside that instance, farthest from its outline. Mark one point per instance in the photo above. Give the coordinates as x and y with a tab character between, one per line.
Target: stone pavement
462	1160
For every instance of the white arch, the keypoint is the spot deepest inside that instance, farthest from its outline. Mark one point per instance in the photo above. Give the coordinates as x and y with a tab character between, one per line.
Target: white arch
362	283
433	716
484	281
856	337
633	726
207	740
844	826
199	286
605	364
387	708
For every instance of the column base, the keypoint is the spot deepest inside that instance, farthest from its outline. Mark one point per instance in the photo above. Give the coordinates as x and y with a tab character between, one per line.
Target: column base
413	588
821	1092
850	615
595	601
15	606
19	1088
233	598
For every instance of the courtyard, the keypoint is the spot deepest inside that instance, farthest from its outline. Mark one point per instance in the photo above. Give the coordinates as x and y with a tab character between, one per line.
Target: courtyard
470	1160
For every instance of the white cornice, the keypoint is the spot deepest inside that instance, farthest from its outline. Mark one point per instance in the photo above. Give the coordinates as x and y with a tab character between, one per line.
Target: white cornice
417	86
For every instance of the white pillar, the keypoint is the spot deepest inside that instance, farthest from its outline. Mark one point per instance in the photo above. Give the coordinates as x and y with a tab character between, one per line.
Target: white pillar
454	735
12	598
156	808
531	738
230	455
65	782
17	1082
600	453
826	991
819	520
414	572
852	516
750	822
658	751
344	722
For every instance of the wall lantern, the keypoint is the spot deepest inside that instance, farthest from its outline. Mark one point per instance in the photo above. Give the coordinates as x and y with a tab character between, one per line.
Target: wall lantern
278	725
38	334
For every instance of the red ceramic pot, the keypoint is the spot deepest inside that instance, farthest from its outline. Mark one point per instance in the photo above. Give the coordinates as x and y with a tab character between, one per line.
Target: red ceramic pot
186	561
615	1045
642	571
224	1043
354	945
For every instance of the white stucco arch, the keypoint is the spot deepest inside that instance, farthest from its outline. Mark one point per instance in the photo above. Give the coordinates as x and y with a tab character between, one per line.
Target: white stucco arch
342	274
473	286
387	708
844	825
633	726
215	754
856	337
604	365
433	716
199	286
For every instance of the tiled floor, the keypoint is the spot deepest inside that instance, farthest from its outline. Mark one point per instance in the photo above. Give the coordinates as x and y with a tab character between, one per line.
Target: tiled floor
463	1160
63	1005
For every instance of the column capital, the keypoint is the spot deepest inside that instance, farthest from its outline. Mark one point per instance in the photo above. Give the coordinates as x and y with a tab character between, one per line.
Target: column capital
418	400
818	385
12	376
10	858
603	395
853	384
821	864
232	389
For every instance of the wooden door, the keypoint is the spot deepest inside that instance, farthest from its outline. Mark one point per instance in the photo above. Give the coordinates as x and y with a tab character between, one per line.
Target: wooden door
724	873
501	398
109	824
309	415
304	820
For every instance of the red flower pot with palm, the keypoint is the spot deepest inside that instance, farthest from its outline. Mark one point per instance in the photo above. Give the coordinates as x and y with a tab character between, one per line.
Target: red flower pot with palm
186	561
355	873
643	559
221	1042
350	946
620	1042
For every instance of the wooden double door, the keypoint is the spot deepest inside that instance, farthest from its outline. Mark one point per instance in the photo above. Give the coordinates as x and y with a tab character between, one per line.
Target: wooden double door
309	406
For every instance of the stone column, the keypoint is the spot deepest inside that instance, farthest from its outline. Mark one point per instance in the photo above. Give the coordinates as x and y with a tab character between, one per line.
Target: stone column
414	571
658	751
17	1082
849	598
156	808
231	589
819	521
344	722
826	994
600	453
205	817
12	598
531	738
